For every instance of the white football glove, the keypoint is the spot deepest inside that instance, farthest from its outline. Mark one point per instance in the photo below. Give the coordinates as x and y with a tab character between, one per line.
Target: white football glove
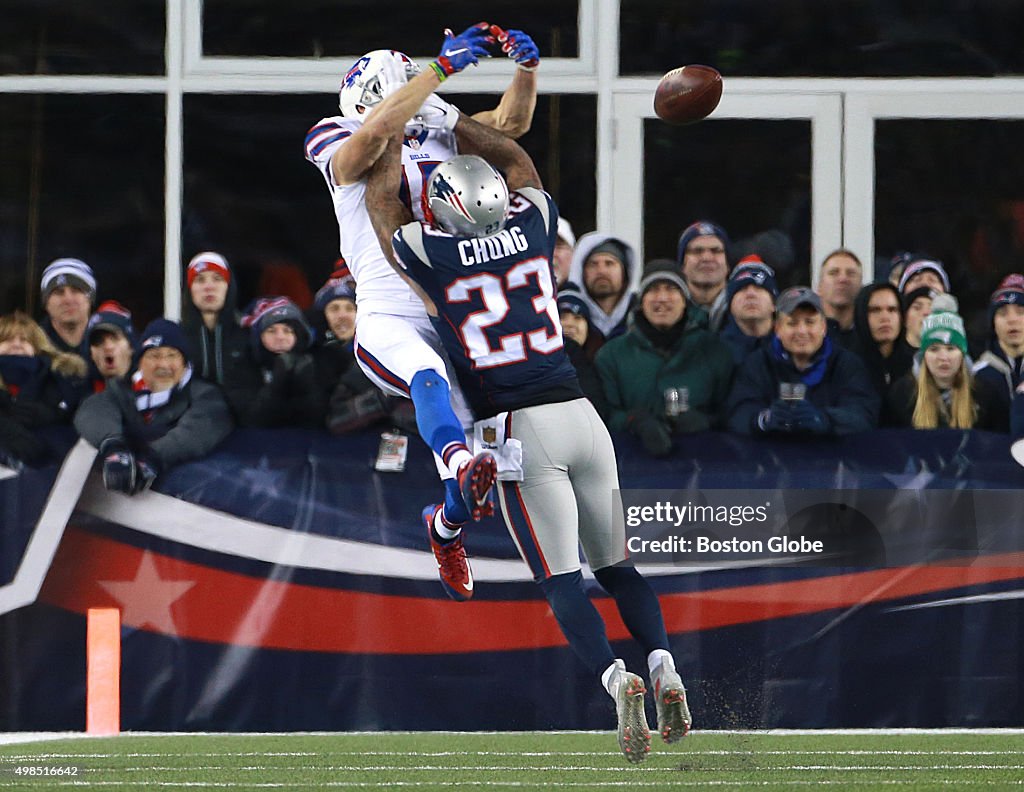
434	113
392	77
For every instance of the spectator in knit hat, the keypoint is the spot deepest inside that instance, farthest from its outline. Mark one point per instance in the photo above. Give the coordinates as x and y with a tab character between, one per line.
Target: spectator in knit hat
802	384
38	387
562	258
111	339
604	268
838	283
896	265
68	291
211	324
916	305
352	400
160	417
924	272
943	393
668	375
574	316
288	393
879	339
1002	363
750	298
702	255
581	345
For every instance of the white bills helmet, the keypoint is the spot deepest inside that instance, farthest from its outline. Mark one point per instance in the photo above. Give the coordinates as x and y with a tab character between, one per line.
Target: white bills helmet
468	197
363	85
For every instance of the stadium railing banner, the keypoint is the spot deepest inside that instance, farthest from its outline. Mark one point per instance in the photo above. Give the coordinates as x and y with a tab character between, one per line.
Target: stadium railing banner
284	584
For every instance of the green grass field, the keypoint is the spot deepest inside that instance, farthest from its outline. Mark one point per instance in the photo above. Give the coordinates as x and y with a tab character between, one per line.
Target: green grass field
519	761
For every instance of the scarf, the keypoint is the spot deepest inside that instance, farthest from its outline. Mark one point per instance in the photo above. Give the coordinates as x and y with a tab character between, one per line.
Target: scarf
662	340
814	373
147	402
19	373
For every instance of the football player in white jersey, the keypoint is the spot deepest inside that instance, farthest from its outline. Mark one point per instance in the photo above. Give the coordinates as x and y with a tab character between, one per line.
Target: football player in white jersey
397	347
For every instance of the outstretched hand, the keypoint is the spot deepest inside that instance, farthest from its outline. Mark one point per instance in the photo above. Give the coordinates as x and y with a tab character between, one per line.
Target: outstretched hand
518	46
462	50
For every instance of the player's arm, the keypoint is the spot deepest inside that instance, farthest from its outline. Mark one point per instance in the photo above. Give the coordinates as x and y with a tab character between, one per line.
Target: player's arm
387	211
388	118
514	113
502	152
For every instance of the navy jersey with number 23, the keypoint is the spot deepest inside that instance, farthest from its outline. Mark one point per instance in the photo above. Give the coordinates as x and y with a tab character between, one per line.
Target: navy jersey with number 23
495	297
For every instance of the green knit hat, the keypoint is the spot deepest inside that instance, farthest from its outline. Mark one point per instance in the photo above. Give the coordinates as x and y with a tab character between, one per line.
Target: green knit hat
944	327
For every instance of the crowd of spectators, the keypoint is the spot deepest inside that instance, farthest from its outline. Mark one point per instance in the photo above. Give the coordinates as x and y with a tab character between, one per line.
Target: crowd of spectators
673	347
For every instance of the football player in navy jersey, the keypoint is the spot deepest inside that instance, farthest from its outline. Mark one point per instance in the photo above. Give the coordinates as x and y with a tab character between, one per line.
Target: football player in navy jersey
482	264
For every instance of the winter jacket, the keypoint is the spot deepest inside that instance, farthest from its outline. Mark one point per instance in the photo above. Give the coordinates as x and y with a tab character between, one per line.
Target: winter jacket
1001	375
221	355
590	379
189	426
883	371
613	324
636	373
351	401
36	391
991	413
739	342
82	350
836	382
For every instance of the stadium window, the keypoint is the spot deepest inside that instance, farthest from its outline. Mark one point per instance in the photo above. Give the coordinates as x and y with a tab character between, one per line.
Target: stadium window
750	177
249	193
809	38
74	37
83	176
314	29
951	188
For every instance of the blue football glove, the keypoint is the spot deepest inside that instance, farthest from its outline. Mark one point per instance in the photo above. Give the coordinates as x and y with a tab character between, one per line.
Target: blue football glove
519	47
460	51
808	418
776	418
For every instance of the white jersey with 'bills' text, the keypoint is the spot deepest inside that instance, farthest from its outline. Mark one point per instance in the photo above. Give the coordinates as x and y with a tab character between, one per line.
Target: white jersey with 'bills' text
378	287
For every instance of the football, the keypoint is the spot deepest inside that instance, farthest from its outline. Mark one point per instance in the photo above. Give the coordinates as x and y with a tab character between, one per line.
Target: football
688	94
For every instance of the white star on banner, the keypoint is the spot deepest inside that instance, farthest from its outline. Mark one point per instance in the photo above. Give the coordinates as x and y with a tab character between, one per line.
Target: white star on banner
148	598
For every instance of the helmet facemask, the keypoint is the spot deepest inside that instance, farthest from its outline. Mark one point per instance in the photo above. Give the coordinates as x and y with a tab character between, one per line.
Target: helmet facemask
369	79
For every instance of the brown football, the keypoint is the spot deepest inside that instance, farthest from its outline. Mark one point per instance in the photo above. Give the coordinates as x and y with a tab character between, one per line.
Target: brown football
688	94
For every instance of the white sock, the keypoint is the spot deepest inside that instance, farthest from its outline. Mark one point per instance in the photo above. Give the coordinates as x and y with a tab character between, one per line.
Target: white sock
444	531
656	658
458	459
610	677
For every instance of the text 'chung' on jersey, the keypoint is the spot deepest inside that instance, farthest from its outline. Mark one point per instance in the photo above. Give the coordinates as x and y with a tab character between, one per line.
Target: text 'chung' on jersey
497	314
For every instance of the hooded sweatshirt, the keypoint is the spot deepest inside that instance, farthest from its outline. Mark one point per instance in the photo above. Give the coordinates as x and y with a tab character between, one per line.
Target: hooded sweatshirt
884	371
614	323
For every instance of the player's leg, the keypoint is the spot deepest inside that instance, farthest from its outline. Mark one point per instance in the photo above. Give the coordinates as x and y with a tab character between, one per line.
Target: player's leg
402	356
541	516
396	356
594	479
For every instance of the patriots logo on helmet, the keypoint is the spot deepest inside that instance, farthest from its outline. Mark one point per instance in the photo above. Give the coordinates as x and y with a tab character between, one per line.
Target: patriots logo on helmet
443	190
